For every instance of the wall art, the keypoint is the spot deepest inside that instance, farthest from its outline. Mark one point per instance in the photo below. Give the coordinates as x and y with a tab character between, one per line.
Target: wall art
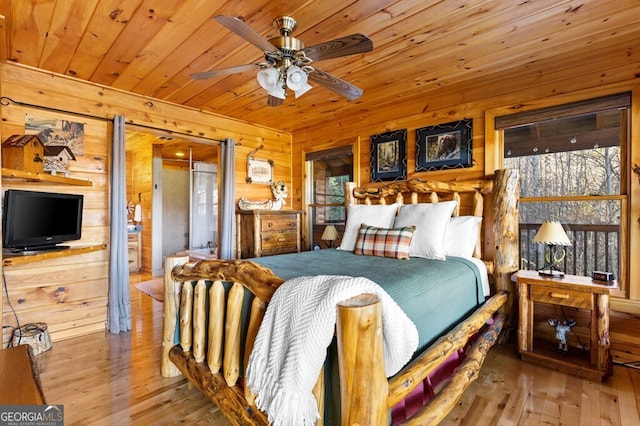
444	146
389	156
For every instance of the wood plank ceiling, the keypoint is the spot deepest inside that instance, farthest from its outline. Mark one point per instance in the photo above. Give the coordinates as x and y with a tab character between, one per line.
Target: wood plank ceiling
421	48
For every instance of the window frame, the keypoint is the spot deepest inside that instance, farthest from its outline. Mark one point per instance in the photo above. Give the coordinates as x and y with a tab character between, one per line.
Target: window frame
494	155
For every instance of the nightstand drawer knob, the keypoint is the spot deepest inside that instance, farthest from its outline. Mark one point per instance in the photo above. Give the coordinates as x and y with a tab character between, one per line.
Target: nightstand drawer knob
559	295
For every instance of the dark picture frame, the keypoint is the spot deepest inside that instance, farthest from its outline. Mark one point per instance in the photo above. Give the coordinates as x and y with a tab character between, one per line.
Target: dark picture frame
444	146
389	156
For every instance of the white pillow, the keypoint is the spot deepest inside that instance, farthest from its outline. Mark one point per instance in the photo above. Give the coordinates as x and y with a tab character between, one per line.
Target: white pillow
431	222
379	215
461	236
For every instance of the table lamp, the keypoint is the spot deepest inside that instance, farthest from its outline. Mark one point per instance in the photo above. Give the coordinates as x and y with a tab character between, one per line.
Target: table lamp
552	234
330	234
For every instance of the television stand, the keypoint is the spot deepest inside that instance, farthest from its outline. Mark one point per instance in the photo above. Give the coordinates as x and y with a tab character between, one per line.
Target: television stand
16	258
33	250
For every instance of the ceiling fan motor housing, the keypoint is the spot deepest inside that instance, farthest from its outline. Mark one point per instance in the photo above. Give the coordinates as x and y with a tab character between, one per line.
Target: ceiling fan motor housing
289	46
285	25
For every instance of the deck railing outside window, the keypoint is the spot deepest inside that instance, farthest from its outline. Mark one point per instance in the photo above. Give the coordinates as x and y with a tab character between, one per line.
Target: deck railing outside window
594	248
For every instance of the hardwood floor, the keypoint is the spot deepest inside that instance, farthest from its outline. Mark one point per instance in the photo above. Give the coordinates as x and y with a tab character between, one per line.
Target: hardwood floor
108	379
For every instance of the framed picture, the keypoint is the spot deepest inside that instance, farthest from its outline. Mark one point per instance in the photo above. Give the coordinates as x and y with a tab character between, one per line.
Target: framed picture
445	146
259	171
389	156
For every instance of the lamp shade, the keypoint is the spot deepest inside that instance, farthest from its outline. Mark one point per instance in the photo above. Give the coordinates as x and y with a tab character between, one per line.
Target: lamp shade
552	233
268	78
329	233
278	92
297	80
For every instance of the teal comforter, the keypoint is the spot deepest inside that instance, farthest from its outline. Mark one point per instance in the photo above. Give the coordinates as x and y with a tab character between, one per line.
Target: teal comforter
436	295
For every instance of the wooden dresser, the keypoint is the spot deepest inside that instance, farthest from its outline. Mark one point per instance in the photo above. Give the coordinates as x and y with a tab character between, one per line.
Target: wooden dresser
267	232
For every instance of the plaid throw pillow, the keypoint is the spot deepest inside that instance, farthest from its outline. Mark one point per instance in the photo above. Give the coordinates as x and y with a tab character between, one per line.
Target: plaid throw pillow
373	241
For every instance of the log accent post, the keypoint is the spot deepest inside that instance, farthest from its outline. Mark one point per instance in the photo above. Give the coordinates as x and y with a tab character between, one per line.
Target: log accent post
232	343
186	316
199	320
506	190
318	393
456	197
363	385
216	326
170	314
603	339
258	309
478	210
348	193
525	320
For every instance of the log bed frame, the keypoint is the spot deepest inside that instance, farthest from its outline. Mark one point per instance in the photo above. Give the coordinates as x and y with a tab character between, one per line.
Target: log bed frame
209	349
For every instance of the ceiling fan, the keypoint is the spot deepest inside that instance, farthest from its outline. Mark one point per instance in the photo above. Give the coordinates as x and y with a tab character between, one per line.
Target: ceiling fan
287	62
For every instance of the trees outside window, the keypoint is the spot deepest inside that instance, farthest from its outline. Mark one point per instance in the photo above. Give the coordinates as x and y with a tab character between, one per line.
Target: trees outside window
572	171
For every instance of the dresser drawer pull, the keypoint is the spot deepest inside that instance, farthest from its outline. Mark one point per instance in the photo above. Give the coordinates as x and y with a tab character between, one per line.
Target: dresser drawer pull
281	240
559	295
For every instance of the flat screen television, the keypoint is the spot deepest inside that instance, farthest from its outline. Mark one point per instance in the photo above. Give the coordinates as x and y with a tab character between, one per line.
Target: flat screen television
33	221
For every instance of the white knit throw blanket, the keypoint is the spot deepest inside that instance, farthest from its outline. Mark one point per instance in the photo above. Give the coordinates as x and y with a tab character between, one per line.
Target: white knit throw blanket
292	342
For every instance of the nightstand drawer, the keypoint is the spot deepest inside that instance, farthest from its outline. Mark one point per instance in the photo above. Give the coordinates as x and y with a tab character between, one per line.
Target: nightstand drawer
555	296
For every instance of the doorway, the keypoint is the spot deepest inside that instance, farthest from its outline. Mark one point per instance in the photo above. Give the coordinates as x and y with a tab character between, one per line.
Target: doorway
154	157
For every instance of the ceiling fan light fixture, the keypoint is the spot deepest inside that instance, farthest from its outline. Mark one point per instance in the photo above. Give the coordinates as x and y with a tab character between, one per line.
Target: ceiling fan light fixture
268	79
278	91
297	80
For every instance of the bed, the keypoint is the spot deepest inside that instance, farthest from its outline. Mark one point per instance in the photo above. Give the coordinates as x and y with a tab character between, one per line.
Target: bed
213	309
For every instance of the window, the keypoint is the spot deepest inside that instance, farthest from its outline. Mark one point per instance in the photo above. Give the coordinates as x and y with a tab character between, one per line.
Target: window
330	170
571	163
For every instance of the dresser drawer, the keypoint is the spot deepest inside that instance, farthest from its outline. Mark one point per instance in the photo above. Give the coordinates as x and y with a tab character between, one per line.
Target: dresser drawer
279	223
556	296
279	242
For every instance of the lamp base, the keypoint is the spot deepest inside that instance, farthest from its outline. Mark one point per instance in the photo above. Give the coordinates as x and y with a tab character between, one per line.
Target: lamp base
551	273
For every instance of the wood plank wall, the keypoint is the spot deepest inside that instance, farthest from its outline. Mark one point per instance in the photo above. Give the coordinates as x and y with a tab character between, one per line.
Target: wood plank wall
70	294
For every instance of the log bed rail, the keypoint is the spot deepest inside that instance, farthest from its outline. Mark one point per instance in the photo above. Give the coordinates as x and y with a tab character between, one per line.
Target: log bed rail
204	300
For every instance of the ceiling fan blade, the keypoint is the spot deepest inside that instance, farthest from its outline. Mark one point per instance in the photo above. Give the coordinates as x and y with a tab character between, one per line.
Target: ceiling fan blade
344	46
335	84
246	32
273	101
224	71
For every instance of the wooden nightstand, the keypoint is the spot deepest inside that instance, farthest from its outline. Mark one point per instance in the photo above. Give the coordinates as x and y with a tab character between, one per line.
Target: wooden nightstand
572	297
